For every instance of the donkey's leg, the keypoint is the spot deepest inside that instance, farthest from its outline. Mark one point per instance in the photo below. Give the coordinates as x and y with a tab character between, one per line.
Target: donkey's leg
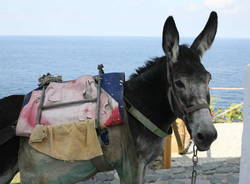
121	153
141	172
132	174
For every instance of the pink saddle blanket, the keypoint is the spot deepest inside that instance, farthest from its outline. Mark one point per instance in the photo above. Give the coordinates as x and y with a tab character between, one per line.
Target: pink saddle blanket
82	88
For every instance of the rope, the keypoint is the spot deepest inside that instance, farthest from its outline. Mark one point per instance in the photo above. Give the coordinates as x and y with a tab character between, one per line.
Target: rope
46	79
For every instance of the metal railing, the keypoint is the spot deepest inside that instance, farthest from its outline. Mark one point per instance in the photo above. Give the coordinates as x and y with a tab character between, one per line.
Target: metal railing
218	88
232	108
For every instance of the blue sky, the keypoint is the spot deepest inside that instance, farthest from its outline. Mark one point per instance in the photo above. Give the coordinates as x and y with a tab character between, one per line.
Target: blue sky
121	17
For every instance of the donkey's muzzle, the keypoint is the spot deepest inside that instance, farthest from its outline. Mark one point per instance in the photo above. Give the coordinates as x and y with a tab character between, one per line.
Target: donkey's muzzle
204	138
202	129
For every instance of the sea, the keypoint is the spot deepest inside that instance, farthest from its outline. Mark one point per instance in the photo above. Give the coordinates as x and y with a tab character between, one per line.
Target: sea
23	59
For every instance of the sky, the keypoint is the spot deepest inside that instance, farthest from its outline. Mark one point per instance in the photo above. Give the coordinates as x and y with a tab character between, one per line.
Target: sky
121	17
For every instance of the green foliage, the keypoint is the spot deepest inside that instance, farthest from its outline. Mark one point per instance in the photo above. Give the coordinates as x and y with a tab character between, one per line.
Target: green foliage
233	113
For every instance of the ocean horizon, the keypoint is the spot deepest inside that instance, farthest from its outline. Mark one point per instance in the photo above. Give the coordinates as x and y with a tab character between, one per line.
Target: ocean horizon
23	59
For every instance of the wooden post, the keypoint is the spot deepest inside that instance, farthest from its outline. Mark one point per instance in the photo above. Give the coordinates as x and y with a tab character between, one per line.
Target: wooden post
181	138
178	137
167	152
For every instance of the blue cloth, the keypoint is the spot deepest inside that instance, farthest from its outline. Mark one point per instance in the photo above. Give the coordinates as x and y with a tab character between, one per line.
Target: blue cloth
113	84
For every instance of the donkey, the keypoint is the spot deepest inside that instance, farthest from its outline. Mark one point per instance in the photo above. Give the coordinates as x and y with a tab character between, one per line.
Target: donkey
10	108
167	87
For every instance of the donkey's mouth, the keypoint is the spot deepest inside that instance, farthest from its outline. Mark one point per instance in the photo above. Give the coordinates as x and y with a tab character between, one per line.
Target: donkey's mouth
201	146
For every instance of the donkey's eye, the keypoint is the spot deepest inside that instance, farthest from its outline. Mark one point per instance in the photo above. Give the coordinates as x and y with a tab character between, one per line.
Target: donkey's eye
179	84
210	77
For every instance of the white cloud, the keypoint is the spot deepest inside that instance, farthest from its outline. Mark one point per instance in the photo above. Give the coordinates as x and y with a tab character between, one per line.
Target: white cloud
219	3
193	7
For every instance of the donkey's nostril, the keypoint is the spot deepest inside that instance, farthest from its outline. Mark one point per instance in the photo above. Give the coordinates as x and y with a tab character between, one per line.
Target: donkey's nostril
207	136
200	136
215	135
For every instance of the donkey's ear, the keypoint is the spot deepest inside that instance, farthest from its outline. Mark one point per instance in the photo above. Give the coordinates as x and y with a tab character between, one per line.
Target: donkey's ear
170	39
206	37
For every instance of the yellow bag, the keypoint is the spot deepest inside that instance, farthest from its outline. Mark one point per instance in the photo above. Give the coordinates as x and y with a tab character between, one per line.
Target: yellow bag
70	141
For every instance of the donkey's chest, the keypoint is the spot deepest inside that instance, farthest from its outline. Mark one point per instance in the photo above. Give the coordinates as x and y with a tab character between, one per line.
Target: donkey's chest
149	150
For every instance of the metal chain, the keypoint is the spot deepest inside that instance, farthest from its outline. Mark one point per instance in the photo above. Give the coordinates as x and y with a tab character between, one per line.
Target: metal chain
195	162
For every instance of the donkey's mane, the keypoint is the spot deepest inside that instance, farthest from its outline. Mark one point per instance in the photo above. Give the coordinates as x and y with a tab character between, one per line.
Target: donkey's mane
184	51
148	64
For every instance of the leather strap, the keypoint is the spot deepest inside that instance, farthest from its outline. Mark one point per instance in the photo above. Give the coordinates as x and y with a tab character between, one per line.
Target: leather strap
196	107
145	121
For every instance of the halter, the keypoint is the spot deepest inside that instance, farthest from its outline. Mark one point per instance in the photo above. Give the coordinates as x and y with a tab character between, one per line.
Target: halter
181	110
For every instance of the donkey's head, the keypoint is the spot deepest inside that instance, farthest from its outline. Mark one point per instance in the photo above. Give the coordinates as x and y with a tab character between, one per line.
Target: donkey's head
189	80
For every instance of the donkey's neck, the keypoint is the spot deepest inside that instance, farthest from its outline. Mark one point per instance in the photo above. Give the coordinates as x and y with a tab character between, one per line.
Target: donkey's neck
147	93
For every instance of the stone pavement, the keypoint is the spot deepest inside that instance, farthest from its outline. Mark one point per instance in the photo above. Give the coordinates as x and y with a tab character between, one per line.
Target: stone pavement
214	171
